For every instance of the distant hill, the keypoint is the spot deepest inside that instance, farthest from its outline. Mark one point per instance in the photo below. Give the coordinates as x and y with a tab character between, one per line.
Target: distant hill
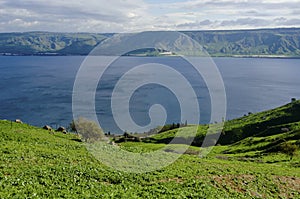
263	42
35	43
253	43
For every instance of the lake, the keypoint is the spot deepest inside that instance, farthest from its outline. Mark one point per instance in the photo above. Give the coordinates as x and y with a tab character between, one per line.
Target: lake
38	90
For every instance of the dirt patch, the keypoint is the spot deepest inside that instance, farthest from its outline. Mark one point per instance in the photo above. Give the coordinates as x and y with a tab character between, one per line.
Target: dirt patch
287	185
237	183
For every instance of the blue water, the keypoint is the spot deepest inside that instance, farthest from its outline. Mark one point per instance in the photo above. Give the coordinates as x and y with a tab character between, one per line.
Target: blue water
38	90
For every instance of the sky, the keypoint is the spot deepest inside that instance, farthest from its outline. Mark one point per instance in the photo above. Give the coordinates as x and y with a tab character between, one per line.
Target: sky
105	16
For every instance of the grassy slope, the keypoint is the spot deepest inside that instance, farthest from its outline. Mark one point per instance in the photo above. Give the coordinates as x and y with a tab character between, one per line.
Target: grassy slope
268	123
35	163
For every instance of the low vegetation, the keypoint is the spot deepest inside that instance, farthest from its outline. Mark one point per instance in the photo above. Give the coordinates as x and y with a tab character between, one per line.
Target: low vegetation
251	160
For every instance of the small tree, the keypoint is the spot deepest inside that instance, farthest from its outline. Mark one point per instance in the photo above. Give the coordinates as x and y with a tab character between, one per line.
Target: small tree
72	126
126	135
88	130
289	149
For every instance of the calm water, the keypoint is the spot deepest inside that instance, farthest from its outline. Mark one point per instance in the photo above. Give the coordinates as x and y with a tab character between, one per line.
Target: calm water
38	90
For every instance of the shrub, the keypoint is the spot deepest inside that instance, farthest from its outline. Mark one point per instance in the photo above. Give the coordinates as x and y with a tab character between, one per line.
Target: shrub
72	126
88	130
289	149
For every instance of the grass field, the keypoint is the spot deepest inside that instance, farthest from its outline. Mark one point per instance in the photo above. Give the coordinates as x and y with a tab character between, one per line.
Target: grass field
37	164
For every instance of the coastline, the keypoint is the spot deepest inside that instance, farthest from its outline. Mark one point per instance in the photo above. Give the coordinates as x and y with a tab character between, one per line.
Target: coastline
211	55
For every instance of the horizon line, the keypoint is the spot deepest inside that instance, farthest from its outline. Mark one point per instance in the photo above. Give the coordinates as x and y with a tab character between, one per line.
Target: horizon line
208	30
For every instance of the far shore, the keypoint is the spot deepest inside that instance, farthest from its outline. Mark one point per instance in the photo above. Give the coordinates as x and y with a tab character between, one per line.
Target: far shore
213	56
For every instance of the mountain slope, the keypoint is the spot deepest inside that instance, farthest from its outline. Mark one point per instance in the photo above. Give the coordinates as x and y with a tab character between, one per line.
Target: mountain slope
263	42
45	42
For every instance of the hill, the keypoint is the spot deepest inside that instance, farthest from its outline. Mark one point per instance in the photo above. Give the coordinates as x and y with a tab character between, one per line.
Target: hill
263	42
247	163
46	43
249	43
257	133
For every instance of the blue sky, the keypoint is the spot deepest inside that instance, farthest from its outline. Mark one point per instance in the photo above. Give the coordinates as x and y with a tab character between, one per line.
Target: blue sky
142	15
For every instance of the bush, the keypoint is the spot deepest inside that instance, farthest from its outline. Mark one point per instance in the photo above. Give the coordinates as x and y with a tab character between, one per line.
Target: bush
289	149
72	126
88	130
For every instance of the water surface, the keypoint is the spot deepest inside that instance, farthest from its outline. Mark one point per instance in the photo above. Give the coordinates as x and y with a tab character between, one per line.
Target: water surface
38	90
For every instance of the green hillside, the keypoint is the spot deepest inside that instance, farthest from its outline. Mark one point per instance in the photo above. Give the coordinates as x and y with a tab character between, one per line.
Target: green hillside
272	127
248	162
264	42
49	43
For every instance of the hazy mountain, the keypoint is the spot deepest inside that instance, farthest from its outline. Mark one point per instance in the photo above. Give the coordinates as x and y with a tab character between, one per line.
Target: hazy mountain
44	42
263	42
250	42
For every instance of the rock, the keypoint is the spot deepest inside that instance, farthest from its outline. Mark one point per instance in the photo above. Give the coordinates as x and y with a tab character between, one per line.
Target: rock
62	129
19	121
46	127
112	143
285	130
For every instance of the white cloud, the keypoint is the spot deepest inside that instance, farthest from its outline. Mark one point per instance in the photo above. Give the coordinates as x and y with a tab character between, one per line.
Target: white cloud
56	15
138	15
235	14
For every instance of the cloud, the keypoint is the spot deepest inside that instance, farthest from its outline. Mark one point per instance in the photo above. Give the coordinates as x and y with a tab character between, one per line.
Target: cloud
140	15
193	25
287	22
245	22
237	14
240	23
77	15
239	4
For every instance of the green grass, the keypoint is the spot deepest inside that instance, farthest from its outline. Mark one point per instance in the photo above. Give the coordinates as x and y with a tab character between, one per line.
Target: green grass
267	123
35	163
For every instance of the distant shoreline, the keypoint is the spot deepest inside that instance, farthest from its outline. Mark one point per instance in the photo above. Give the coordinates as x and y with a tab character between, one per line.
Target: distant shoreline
255	43
213	56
